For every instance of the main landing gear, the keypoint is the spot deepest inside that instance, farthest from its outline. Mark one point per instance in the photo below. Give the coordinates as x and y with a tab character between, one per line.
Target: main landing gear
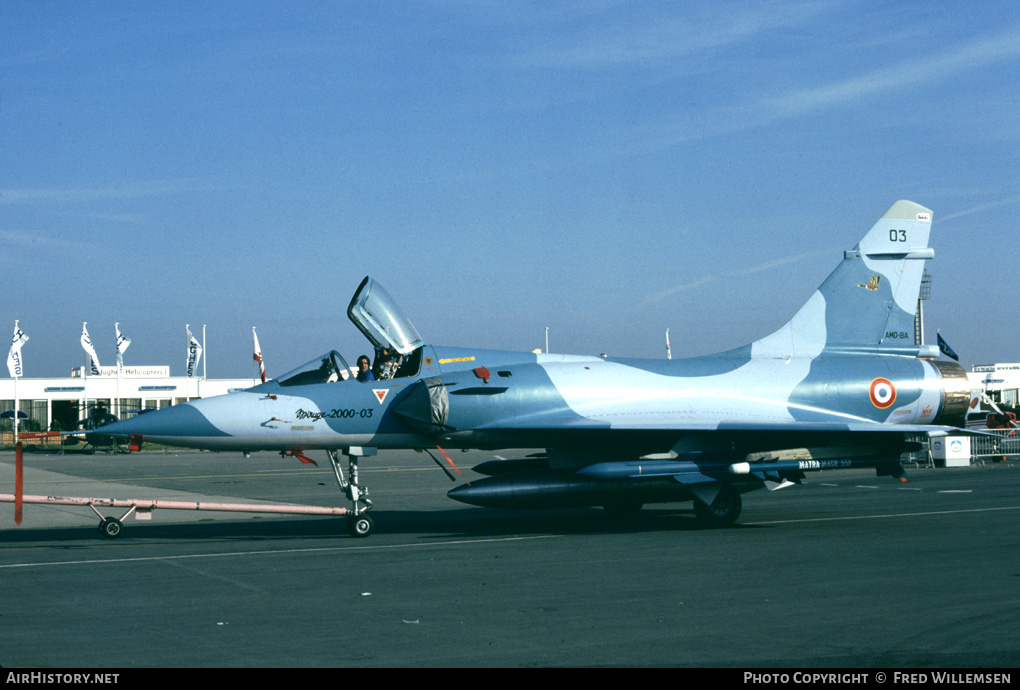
723	511
359	524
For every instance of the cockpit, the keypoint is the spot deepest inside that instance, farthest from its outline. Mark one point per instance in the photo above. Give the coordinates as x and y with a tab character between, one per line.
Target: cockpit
398	346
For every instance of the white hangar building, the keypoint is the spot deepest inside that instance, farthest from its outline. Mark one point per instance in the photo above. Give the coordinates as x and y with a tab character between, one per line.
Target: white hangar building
58	404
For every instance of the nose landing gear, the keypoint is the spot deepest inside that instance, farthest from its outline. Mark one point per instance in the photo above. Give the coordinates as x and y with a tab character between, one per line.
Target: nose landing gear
359	524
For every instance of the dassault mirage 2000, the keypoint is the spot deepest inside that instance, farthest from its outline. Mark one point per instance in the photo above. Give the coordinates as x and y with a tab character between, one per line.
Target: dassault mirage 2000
840	385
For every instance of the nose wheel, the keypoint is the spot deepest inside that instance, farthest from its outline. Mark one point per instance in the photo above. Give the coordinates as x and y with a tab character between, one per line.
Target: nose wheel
359	524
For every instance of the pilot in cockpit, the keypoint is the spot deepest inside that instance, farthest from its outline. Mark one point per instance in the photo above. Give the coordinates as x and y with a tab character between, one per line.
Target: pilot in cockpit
364	371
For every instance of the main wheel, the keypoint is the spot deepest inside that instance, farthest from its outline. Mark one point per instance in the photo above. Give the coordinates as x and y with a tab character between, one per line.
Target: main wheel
110	527
359	526
723	512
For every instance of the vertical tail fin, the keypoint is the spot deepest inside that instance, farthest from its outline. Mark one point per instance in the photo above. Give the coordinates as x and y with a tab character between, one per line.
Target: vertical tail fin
868	302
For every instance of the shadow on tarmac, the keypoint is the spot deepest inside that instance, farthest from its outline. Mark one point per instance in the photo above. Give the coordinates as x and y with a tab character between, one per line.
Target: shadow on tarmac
457	523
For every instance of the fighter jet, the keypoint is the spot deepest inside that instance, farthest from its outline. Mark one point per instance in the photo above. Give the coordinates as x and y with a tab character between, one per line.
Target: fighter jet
840	385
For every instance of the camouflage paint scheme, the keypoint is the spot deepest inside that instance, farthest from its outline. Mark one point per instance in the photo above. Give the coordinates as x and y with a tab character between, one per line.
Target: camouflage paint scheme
840	385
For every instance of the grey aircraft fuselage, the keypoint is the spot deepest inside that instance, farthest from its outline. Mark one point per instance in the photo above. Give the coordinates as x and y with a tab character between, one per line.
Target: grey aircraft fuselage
529	400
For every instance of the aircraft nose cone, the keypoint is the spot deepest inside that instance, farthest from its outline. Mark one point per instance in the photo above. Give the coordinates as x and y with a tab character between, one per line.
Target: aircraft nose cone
166	425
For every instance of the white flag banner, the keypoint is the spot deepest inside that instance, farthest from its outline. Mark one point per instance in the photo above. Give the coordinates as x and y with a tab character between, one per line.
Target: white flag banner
122	345
194	353
258	354
14	363
86	343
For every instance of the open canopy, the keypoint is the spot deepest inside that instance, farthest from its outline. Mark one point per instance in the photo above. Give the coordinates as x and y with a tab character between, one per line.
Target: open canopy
376	315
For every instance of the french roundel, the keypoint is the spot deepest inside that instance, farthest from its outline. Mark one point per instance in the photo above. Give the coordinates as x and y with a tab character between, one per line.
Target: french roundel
882	393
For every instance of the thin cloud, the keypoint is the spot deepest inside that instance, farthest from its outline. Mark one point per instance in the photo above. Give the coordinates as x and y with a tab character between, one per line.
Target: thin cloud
653	39
124	218
911	73
88	194
659	296
28	240
773	264
1002	48
979	209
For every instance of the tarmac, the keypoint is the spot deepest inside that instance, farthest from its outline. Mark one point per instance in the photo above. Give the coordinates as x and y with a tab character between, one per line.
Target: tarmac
848	570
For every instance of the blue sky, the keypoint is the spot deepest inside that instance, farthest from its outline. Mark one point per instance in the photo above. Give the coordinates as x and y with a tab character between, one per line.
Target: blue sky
606	169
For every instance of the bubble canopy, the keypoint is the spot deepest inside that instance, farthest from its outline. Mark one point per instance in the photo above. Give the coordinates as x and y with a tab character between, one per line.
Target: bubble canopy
376	315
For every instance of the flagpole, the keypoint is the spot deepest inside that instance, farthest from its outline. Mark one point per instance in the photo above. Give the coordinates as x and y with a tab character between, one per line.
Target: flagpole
16	393
84	383
15	402
16	368
116	347
205	359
